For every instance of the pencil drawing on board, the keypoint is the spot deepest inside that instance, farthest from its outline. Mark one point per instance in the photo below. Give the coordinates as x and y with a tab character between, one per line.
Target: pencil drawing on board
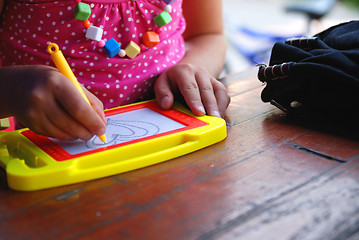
124	131
124	127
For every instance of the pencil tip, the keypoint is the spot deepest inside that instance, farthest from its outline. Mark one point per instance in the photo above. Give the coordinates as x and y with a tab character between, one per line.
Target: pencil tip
102	138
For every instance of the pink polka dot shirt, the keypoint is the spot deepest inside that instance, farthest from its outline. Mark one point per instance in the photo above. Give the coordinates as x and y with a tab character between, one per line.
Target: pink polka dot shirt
27	27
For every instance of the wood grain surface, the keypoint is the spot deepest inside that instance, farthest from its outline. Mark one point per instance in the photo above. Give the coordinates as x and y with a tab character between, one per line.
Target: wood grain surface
274	177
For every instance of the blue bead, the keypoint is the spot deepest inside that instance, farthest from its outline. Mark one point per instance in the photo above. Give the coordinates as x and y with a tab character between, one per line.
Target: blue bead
112	47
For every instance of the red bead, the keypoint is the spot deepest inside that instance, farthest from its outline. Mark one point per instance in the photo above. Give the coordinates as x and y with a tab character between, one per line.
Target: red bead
86	23
143	47
77	1
158	30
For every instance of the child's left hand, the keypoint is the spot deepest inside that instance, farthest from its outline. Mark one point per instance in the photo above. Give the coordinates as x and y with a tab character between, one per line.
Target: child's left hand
203	93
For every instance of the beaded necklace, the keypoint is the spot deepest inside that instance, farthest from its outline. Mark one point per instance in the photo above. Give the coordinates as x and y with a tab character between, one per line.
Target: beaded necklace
150	39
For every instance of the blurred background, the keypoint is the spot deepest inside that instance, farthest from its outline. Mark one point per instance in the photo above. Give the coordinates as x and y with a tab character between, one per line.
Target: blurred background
253	26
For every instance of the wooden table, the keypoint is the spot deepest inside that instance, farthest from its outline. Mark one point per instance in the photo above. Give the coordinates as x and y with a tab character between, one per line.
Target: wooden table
272	178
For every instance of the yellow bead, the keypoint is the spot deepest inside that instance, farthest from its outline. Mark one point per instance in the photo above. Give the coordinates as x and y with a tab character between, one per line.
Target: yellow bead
132	50
4	123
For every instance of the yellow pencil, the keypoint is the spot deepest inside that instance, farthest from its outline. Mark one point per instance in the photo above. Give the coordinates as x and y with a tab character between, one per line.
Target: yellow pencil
63	67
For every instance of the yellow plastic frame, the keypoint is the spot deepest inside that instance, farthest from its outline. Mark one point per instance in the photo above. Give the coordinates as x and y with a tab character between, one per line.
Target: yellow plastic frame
29	167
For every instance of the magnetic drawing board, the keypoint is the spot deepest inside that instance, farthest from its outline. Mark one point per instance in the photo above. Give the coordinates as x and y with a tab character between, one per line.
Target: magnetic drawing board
138	135
124	127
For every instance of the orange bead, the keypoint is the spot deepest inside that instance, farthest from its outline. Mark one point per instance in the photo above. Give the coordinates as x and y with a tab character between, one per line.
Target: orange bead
86	23
150	39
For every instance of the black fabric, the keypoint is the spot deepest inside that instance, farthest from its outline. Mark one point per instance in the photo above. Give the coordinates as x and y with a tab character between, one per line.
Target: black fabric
318	73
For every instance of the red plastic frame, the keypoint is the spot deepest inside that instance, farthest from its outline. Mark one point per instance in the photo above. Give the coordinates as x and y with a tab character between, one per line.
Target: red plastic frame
59	154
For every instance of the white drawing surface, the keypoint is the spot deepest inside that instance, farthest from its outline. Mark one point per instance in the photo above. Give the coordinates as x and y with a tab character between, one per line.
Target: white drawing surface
124	127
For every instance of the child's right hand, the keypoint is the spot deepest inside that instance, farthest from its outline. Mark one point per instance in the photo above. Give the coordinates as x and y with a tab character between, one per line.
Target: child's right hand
44	100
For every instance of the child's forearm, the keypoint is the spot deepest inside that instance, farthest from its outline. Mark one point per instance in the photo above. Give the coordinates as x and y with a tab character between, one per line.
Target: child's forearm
207	51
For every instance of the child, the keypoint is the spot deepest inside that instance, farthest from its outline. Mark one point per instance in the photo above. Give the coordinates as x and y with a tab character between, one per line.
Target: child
138	71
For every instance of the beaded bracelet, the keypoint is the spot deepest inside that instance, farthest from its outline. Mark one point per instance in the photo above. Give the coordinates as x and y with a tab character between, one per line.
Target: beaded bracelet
150	39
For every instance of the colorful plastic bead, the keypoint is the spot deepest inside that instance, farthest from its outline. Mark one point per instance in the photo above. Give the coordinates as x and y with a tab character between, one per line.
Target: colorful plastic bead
94	33
82	11
168	8
122	53
4	123
162	19
143	47
86	23
159	30
150	39
132	50
112	47
101	43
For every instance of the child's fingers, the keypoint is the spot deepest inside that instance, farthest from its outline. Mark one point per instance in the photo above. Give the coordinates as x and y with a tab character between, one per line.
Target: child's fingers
222	97
96	104
76	106
41	124
67	124
51	130
188	86
163	92
206	90
201	91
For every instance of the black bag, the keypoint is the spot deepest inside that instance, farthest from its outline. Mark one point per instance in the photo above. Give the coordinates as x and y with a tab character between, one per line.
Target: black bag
319	73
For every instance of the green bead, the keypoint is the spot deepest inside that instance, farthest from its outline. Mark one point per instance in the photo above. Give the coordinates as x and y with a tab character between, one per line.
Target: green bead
82	11
162	19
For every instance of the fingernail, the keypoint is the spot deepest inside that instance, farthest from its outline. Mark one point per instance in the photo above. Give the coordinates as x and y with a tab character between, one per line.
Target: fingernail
216	114
165	102
201	109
